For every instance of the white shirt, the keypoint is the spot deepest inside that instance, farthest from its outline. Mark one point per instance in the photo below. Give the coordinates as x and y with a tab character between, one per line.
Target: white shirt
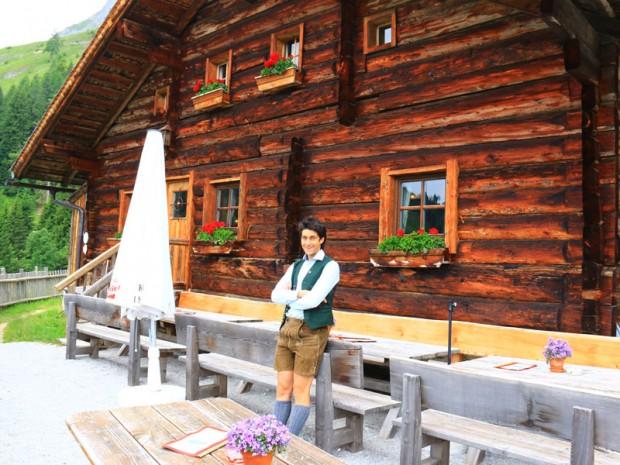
284	294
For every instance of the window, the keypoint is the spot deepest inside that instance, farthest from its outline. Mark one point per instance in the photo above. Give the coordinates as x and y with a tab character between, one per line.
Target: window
422	204
219	67
380	31
420	198
289	43
162	98
179	204
225	201
227	205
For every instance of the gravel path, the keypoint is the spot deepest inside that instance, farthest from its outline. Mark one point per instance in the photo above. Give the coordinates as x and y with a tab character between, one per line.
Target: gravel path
39	389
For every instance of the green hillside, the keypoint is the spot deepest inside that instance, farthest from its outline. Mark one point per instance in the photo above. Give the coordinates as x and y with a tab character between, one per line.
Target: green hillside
31	59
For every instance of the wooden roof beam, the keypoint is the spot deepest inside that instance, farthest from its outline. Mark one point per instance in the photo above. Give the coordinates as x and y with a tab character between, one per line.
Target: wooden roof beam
128	96
80	164
581	40
62	148
163	48
188	15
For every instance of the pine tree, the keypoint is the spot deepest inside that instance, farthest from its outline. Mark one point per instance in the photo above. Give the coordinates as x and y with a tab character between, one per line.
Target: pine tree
40	251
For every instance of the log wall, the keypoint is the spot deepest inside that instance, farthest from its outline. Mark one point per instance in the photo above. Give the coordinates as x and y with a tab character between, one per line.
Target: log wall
471	80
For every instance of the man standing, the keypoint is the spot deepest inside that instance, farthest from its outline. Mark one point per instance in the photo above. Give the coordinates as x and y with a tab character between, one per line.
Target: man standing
307	289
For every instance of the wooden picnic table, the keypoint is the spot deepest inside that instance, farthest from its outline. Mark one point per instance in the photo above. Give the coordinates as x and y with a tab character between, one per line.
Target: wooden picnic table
376	352
380	349
580	377
135	435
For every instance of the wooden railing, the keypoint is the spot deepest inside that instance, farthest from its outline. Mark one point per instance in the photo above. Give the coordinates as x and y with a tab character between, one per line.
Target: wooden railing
93	278
28	286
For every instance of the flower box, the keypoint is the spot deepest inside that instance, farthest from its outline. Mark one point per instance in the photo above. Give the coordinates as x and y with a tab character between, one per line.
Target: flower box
399	259
210	248
290	77
210	100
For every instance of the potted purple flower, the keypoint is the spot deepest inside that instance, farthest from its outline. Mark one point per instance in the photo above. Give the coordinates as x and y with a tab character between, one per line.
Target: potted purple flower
555	352
258	439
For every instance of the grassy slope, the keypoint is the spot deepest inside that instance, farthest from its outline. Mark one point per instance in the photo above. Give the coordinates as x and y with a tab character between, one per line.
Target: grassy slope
16	62
41	321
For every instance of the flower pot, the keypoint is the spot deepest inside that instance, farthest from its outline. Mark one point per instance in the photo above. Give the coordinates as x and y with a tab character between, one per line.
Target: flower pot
249	459
113	240
209	248
399	259
556	365
290	77
214	99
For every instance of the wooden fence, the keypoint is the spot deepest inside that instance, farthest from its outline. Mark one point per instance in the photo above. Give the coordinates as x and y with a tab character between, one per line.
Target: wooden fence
29	285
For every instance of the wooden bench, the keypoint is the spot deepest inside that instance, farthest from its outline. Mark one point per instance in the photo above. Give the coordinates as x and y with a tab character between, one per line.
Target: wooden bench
246	352
534	422
95	320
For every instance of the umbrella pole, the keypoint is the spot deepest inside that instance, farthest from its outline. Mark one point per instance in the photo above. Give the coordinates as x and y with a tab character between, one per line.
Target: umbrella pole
450	311
153	382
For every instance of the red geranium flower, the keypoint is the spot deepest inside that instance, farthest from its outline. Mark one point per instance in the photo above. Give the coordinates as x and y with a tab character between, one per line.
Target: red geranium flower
197	86
433	231
420	231
274	57
400	232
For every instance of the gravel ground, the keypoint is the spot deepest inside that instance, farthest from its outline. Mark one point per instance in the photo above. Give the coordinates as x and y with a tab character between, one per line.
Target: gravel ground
39	389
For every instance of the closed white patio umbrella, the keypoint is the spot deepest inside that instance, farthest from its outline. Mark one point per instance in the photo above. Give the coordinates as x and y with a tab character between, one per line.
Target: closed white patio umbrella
141	281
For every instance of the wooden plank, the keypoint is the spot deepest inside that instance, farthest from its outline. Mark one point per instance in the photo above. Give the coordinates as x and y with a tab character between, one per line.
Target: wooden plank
86	427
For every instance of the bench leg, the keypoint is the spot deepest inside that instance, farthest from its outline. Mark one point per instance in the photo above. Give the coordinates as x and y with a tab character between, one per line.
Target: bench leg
387	428
243	387
71	332
95	342
474	456
440	452
355	422
163	367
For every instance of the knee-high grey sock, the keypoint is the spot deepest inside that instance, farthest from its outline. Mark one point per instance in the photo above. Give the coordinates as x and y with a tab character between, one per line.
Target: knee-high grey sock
282	410
299	415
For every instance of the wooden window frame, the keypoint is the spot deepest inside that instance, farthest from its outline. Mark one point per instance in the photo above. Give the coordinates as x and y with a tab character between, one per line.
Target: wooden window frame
279	39
162	100
212	63
209	211
389	196
372	24
123	207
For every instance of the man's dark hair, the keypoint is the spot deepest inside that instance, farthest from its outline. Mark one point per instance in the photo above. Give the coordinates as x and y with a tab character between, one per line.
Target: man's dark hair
316	225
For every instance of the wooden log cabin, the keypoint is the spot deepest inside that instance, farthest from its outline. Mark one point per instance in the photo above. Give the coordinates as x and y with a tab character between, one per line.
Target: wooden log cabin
503	112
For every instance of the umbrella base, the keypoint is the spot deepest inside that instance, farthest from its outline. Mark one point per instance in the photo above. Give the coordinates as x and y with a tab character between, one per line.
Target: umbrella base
142	395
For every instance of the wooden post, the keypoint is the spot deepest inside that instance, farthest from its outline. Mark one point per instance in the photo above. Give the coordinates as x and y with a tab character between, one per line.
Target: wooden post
71	332
411	434
582	440
192	371
324	424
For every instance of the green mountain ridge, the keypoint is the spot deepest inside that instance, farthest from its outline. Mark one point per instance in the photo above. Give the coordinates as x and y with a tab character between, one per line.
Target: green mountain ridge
17	62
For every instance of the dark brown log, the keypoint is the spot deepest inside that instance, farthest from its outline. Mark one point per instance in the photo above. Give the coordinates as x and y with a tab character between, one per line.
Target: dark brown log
292	199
